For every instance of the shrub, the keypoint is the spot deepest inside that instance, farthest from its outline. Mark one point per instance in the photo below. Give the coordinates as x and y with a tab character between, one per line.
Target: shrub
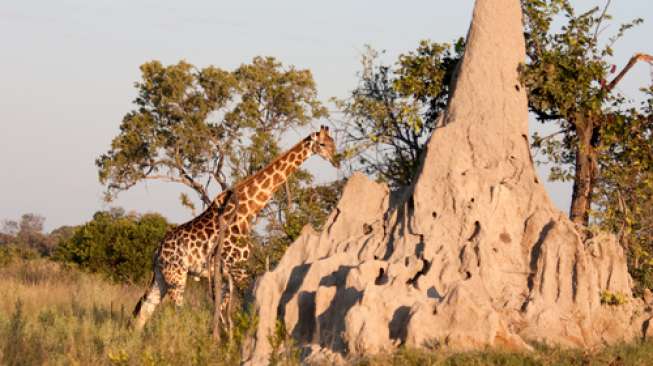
115	244
11	253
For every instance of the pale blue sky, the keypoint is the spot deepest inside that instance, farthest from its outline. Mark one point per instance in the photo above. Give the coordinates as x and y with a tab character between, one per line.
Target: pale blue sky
67	70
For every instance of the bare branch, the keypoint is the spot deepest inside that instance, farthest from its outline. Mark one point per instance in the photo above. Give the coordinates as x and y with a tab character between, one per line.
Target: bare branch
550	136
598	23
633	60
196	186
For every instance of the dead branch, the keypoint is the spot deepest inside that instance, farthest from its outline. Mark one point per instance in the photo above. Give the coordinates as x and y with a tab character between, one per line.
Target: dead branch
633	60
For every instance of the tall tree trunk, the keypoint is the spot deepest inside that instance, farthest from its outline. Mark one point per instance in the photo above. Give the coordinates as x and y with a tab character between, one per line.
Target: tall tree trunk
585	176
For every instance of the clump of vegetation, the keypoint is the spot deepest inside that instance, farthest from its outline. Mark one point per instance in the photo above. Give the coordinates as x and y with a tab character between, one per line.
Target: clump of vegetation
613	298
116	244
603	143
284	350
25	237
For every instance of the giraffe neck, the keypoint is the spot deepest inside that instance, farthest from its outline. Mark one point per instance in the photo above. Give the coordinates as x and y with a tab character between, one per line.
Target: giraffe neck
256	190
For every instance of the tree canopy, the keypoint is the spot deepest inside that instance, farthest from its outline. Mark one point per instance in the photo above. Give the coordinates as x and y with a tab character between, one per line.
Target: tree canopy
393	109
567	76
201	127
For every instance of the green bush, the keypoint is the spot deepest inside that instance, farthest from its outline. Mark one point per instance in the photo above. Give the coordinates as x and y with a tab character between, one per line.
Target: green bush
118	245
10	253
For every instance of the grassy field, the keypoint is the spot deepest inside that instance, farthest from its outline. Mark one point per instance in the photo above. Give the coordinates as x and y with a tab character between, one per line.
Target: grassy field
52	315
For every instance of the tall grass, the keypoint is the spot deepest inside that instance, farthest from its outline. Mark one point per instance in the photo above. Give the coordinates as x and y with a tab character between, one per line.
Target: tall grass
52	315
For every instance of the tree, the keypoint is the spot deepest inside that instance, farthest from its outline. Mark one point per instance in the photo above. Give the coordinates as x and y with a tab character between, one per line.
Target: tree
393	110
192	127
115	244
624	195
27	238
27	234
10	227
566	75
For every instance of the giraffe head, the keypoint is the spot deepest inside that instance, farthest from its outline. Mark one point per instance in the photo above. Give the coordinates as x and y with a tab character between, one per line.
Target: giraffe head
324	146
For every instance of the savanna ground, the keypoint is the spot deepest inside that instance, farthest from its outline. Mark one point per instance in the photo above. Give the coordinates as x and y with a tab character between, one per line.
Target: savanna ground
52	314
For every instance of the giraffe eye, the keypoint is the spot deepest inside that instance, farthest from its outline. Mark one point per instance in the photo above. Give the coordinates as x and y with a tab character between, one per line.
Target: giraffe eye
322	144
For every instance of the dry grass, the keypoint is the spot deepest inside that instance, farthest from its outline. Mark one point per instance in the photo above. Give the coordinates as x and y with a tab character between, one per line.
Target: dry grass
41	284
635	354
52	315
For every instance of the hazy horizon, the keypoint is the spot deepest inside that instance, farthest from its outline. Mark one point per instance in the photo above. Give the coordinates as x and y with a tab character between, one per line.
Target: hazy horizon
70	66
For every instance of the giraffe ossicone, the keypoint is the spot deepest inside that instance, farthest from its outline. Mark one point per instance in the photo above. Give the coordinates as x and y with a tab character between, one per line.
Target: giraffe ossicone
185	250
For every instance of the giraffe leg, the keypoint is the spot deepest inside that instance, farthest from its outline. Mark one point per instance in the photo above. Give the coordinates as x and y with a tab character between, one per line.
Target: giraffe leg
225	316
177	290
230	325
148	303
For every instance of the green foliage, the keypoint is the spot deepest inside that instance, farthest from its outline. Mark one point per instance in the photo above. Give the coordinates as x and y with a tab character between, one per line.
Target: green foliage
14	345
613	298
625	192
117	245
10	253
602	144
566	76
394	109
194	126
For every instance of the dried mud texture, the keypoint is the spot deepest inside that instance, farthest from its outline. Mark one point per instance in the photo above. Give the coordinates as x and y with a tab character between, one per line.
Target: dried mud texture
474	254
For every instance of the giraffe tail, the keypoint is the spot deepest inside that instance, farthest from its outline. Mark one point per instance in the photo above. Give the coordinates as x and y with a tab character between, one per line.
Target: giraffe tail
139	304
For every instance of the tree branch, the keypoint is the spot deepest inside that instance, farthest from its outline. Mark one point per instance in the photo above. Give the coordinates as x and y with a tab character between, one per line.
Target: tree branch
196	186
188	180
598	23
547	137
633	60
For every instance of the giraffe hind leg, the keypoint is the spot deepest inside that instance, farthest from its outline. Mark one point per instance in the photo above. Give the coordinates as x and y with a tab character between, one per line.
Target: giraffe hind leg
176	289
150	300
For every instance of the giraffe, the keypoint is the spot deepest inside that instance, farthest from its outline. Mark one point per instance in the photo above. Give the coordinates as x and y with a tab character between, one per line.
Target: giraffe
186	249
